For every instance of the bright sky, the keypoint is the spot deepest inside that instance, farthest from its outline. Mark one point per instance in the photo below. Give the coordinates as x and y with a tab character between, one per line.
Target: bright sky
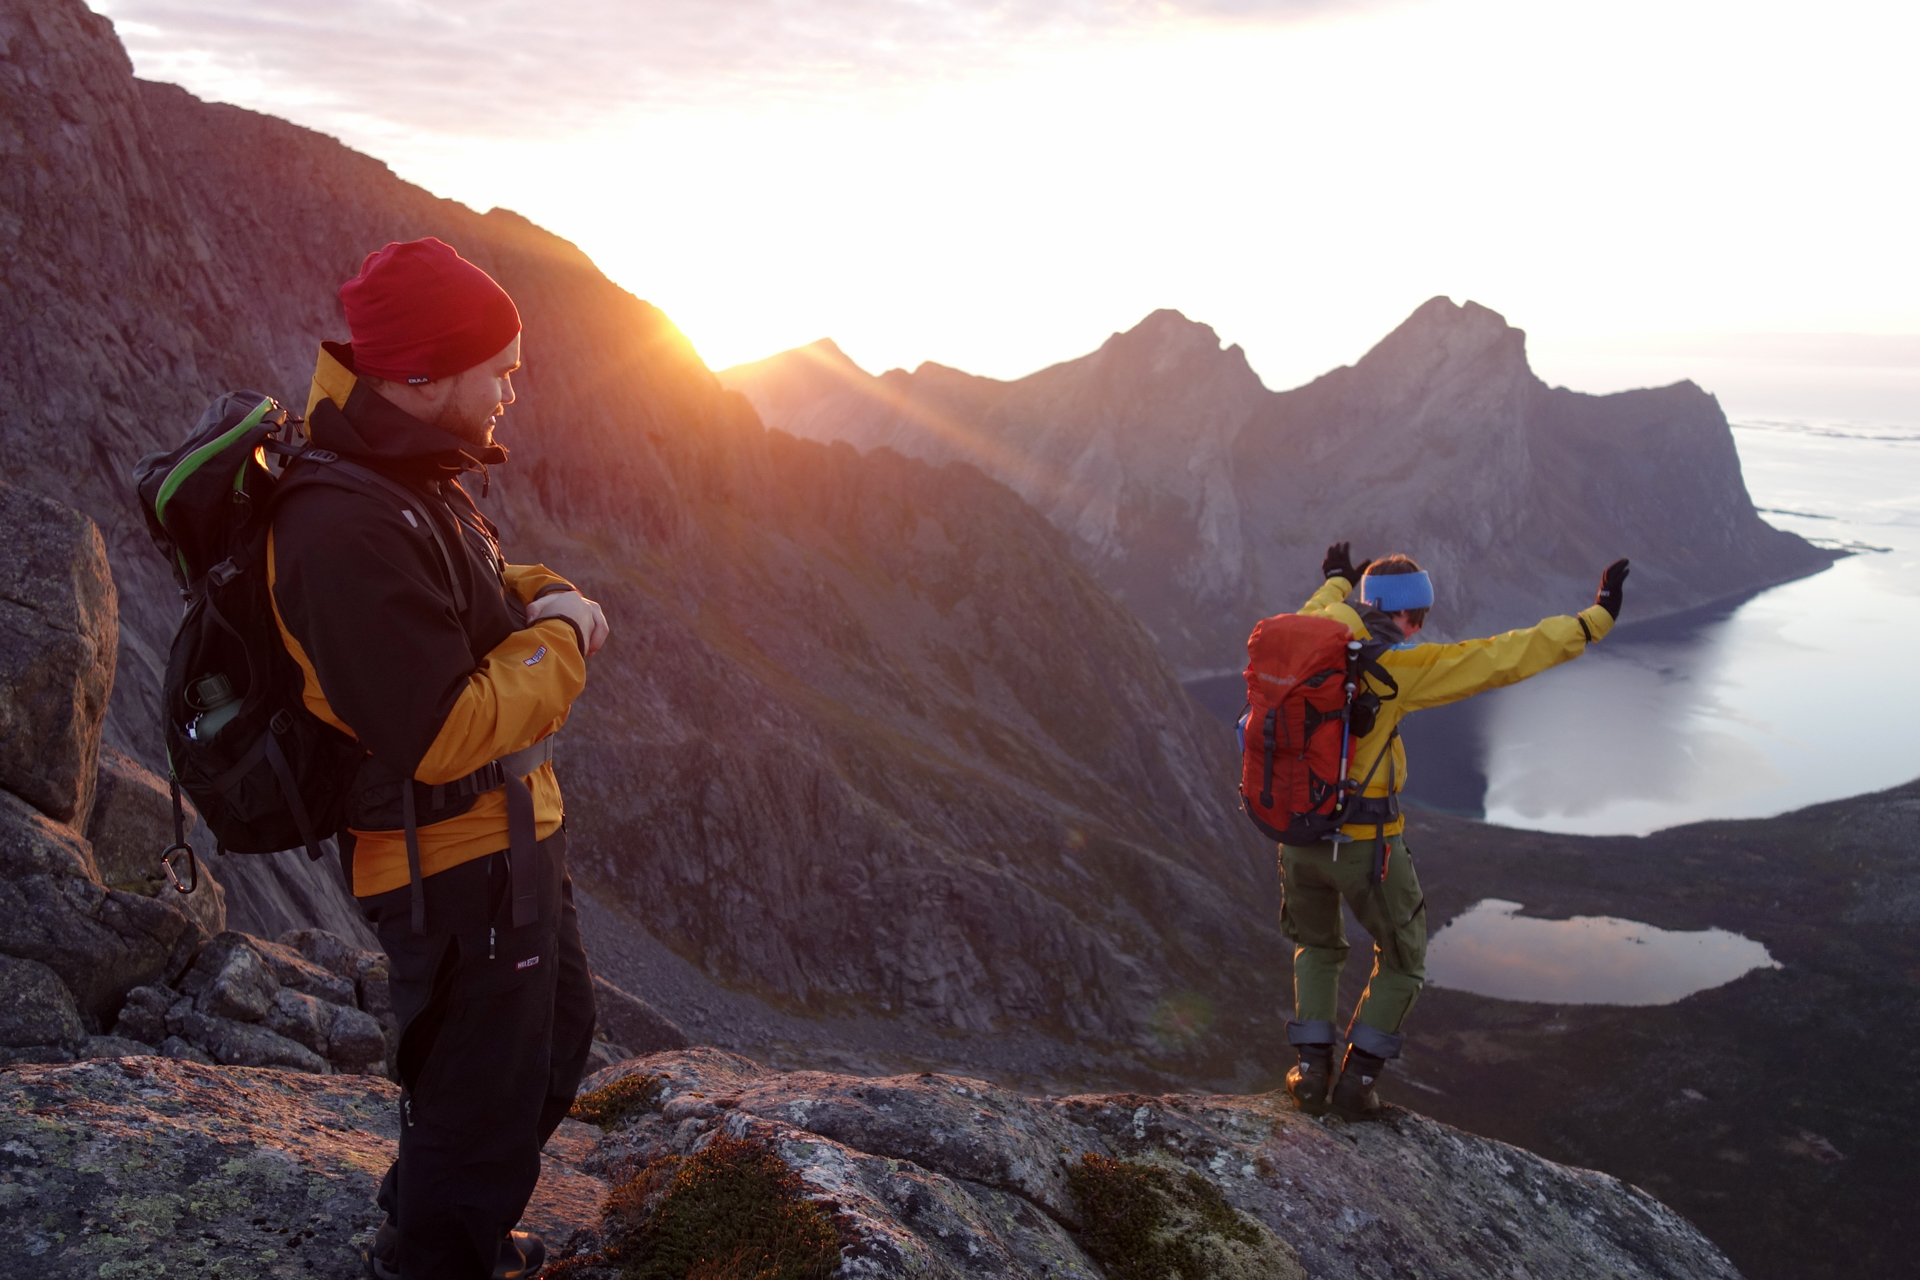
1722	189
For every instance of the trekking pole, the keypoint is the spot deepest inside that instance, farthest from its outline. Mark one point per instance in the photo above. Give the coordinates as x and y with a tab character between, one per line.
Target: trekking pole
1346	746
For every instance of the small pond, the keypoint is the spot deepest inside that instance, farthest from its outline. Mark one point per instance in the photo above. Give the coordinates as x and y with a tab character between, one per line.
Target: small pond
1492	950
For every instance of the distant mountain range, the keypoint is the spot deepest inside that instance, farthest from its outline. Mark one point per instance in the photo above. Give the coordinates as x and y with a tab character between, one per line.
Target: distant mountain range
1205	500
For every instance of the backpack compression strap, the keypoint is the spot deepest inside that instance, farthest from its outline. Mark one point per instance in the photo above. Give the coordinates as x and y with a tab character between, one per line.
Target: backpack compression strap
523	844
1267	744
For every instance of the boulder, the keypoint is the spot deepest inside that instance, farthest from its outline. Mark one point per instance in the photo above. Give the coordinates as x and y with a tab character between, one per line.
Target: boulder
144	1015
356	1042
303	1018
113	1047
230	980
330	951
243	1044
367	971
376	997
53	909
180	1051
38	1019
58	633
329	970
250	1002
131	823
633	1024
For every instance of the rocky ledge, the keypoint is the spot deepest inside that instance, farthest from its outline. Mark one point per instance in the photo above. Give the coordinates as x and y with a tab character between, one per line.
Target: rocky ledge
149	1166
170	1167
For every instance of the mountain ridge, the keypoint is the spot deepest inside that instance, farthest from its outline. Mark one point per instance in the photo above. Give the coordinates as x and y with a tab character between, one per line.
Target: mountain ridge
1203	499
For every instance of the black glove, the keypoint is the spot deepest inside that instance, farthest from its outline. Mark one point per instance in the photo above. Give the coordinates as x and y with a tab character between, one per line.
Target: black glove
1612	584
1339	563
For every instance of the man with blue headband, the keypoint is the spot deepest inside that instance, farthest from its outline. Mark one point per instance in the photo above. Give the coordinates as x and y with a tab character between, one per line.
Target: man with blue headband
1367	864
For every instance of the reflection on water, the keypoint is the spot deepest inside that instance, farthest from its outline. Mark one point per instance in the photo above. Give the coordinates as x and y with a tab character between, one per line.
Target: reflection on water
1492	951
1799	694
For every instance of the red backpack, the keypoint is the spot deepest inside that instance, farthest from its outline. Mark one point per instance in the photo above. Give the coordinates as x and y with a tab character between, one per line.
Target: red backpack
1306	704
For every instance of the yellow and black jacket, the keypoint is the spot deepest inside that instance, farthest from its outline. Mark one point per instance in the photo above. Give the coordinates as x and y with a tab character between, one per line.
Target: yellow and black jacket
431	690
1432	675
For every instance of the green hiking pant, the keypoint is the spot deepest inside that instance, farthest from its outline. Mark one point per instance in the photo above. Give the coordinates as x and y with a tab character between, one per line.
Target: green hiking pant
1312	883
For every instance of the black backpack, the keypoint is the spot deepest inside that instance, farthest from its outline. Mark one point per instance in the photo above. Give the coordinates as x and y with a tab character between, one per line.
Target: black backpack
266	773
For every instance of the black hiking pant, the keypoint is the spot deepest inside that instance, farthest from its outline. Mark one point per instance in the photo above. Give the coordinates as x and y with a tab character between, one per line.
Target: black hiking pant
496	1024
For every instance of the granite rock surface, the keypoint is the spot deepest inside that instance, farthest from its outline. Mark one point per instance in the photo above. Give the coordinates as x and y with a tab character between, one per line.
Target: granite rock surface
948	1177
133	1165
58	631
143	1166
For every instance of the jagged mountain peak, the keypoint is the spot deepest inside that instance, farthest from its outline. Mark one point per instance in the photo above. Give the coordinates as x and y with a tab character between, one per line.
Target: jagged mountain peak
1166	343
1441	333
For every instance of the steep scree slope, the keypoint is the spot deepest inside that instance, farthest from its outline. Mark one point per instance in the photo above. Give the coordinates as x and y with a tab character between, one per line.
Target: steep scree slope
1204	500
865	738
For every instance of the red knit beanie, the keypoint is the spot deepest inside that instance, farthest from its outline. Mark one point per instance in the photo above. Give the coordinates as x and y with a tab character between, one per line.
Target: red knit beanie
419	311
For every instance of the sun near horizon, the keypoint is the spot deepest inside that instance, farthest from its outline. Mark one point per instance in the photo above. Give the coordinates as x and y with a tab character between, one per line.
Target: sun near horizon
1654	192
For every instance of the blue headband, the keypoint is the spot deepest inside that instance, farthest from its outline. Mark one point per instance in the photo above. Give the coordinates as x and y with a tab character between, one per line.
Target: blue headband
1393	592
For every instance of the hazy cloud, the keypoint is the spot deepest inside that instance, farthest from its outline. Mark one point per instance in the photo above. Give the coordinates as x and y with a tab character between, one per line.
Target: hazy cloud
477	66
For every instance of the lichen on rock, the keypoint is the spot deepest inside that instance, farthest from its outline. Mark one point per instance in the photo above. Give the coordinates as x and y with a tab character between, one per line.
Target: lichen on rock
1156	1220
732	1209
149	1167
618	1100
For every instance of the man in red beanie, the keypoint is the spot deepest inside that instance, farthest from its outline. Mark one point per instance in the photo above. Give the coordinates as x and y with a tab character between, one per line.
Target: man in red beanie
453	669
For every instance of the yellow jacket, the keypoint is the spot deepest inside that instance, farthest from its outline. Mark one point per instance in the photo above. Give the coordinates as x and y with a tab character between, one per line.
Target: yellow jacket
1432	675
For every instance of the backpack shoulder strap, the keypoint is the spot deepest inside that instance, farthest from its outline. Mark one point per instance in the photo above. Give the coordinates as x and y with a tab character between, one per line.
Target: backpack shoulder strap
1368	662
332	468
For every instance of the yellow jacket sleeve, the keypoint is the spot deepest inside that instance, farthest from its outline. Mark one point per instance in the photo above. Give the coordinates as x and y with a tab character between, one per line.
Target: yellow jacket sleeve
518	695
1332	592
1432	675
530	581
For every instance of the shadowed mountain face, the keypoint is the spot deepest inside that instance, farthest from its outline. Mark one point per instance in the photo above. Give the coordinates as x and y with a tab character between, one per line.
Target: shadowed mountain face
866	739
1204	500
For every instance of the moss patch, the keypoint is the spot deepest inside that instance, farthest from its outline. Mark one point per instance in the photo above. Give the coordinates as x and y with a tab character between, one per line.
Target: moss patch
735	1211
1149	1222
611	1104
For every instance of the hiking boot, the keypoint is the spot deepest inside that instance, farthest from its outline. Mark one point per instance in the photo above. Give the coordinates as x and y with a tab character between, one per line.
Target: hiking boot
1353	1095
522	1254
1307	1082
383	1255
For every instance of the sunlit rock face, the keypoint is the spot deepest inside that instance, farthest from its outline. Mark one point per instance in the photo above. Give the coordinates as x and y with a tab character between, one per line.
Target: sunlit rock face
1204	500
867	738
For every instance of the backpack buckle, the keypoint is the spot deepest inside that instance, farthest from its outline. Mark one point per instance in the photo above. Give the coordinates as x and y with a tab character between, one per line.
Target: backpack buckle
282	723
223	573
319	455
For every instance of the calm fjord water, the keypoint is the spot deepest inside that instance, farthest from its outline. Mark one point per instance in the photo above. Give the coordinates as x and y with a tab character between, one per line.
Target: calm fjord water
1802	693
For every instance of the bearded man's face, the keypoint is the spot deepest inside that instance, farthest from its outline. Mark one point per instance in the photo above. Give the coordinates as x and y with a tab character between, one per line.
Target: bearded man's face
479	396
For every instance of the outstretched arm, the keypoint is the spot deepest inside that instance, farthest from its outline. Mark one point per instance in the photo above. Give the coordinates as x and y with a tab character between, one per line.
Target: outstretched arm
1432	675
